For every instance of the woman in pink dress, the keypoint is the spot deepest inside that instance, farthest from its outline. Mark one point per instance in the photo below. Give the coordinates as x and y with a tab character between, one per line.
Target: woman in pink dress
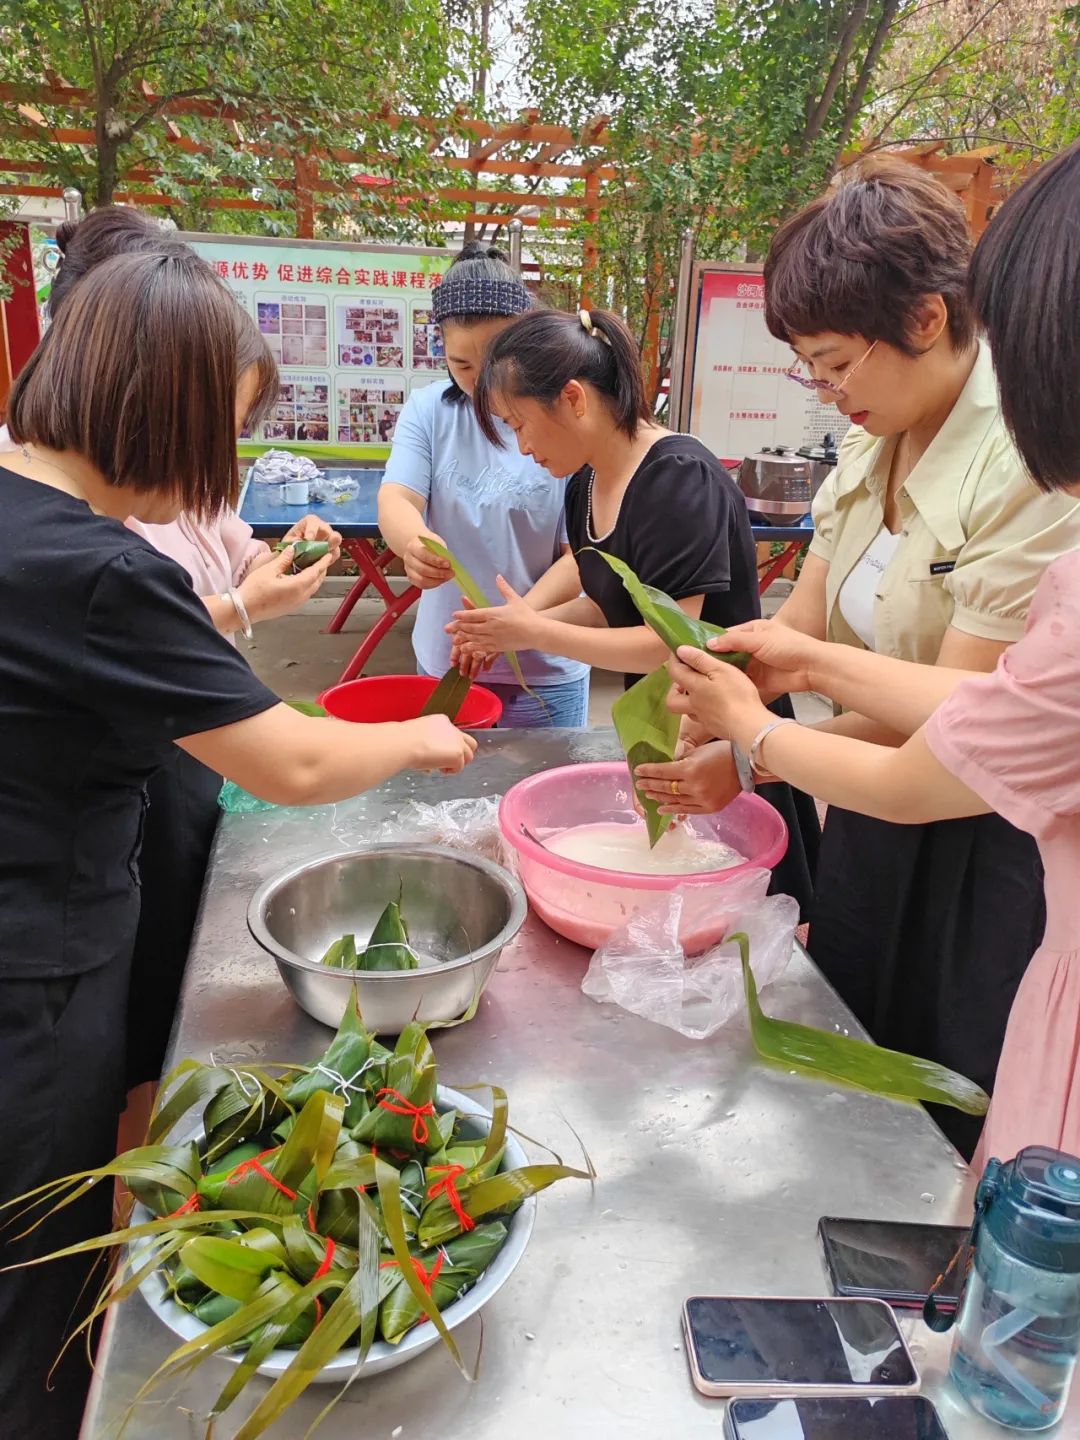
1008	741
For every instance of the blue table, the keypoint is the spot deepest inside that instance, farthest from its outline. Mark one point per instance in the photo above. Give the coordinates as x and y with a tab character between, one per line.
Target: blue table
357	520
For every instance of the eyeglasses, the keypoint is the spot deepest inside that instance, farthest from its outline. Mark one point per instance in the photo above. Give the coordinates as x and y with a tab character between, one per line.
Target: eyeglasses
808	382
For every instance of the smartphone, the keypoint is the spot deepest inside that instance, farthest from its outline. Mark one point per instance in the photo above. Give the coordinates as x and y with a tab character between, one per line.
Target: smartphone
888	1261
894	1417
756	1346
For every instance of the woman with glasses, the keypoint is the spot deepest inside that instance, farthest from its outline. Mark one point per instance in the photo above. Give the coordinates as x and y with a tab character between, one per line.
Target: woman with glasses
928	545
1006	740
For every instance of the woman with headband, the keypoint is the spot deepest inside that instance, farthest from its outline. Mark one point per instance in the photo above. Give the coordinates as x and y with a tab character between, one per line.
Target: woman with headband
499	513
570	389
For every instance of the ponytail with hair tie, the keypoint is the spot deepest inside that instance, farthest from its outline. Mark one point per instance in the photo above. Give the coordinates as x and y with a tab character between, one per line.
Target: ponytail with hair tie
539	354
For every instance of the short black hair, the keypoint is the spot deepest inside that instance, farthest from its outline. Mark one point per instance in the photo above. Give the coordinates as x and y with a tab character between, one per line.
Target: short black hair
1024	284
861	258
539	354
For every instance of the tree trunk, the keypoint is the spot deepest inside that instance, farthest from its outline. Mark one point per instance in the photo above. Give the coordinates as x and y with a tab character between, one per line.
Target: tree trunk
107	166
820	112
866	73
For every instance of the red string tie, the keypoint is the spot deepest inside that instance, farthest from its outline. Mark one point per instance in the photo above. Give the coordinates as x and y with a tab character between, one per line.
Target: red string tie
427	1278
448	1186
255	1164
324	1269
189	1207
420	1130
327	1261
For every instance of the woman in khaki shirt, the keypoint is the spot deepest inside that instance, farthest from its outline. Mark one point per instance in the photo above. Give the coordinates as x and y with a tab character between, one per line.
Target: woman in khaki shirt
929	543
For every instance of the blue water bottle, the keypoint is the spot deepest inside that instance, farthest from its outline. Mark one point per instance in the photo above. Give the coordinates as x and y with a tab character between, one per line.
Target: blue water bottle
1018	1329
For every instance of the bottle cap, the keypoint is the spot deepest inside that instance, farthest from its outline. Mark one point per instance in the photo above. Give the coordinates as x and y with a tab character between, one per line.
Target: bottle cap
1034	1208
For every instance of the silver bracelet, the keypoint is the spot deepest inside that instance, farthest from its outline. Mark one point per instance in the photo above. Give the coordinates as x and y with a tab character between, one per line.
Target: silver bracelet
241	614
754	752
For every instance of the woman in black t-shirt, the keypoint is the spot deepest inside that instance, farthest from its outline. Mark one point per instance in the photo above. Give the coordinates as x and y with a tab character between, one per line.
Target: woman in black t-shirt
570	388
129	406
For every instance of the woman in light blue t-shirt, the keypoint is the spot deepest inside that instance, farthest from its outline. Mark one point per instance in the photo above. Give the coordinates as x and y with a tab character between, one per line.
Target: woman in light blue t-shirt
498	511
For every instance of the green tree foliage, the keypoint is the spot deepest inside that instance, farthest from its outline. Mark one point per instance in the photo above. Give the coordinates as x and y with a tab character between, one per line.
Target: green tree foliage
724	117
984	73
296	76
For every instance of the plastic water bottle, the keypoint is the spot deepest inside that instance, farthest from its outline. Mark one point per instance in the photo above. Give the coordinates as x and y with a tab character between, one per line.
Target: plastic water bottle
1018	1331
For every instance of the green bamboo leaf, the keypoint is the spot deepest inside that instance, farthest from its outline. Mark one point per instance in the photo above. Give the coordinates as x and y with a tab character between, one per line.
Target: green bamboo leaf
389	948
154	1166
502	1194
305	552
345	1069
342	954
470	588
118	1288
228	1266
308	707
853	1062
356	1308
648	733
464	1261
449	695
247	1105
390	1198
288	1178
215	1309
200	1084
212	1185
666	617
292	1324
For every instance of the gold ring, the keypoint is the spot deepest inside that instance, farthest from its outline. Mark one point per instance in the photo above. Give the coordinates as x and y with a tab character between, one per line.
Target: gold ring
675	787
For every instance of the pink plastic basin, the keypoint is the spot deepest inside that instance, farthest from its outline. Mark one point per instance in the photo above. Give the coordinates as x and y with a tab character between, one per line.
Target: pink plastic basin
585	903
402	697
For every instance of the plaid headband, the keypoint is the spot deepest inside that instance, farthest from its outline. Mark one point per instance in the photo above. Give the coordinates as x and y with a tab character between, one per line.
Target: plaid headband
478	295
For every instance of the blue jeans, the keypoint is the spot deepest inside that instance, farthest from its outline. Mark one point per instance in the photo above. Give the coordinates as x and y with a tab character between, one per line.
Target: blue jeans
565	706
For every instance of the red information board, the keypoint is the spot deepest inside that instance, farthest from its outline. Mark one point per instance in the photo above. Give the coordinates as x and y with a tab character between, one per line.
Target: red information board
741	401
19	327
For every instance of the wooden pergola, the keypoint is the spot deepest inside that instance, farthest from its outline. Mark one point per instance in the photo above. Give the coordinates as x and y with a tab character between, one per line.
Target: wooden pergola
972	174
556	175
526	149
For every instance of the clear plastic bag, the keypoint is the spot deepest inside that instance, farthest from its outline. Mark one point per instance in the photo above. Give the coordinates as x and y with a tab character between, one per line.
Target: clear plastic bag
644	968
235	801
470	824
325	490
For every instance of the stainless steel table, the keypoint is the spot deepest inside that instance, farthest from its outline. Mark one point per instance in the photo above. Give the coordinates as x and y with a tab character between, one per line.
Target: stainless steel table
713	1169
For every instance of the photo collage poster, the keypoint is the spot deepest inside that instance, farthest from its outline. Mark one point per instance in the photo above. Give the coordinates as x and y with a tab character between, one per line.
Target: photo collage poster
351	331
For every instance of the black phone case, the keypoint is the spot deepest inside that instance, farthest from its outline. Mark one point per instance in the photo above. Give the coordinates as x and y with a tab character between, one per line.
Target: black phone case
901	1299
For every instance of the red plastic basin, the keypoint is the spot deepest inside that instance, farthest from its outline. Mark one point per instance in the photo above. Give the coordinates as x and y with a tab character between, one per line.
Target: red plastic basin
401	697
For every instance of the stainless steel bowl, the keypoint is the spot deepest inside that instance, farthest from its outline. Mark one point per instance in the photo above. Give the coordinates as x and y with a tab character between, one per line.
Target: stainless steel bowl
460	910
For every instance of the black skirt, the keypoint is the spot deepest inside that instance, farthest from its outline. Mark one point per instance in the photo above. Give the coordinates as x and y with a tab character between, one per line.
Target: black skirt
926	931
180	823
61	1092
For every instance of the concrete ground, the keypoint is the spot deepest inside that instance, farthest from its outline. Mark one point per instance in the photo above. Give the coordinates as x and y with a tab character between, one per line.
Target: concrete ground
298	661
